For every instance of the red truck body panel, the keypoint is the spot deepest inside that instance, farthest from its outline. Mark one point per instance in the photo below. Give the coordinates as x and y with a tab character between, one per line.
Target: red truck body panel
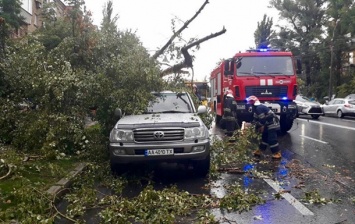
270	76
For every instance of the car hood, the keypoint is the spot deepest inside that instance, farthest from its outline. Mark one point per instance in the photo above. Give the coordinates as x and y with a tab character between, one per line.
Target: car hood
308	103
184	120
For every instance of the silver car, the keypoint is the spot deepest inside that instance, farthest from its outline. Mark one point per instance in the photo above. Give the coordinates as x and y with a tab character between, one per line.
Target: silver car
350	96
307	107
170	130
340	107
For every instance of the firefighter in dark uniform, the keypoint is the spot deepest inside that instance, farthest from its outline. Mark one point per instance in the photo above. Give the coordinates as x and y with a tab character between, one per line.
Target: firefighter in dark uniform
229	113
267	123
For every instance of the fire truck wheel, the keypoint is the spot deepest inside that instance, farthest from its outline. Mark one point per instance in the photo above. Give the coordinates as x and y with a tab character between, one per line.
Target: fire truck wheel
315	116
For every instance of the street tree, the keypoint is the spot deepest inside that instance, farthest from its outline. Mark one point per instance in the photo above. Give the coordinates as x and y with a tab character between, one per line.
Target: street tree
10	20
303	31
339	29
264	34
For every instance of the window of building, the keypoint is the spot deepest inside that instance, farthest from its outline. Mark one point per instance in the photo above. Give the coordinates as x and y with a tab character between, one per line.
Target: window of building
27	5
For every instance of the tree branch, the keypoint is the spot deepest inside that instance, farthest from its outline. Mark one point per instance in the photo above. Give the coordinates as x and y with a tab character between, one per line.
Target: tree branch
177	33
187	63
7	174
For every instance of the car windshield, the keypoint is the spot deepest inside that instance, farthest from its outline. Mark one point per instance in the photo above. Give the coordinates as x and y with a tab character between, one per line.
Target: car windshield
302	99
170	103
352	102
266	65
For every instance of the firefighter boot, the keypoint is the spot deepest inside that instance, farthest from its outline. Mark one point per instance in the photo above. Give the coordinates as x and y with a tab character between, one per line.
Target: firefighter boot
276	155
257	153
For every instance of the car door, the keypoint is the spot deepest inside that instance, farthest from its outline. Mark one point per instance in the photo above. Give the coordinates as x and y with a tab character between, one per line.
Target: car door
327	109
340	105
337	105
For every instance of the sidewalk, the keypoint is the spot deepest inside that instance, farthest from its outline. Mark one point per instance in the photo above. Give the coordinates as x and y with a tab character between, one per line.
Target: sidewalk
60	188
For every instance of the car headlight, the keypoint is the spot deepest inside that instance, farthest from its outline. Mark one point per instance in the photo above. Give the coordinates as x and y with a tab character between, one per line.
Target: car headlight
196	133
121	135
304	105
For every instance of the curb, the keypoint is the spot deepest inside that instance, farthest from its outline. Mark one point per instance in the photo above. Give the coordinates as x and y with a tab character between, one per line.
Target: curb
59	189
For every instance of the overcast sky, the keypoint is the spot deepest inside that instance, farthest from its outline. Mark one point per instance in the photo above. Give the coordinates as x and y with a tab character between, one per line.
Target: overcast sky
151	20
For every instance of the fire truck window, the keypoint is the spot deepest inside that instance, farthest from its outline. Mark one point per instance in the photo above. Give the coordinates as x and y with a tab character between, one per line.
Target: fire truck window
266	65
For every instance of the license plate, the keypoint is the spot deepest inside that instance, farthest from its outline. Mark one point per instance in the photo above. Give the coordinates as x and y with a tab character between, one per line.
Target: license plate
241	107
159	152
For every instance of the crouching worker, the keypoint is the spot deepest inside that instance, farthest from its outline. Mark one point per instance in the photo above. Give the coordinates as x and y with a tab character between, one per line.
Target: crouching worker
229	113
266	123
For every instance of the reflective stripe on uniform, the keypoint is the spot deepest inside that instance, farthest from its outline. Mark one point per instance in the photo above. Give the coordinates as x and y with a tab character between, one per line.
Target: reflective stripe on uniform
261	116
275	145
229	118
273	126
264	143
227	110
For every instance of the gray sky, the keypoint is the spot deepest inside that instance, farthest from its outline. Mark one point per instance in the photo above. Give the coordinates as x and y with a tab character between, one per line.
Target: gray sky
152	22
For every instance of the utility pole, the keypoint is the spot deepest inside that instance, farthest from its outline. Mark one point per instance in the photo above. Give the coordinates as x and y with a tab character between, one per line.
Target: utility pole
331	62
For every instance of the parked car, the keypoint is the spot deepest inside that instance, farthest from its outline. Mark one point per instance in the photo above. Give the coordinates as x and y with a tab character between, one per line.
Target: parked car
350	96
170	130
340	107
306	106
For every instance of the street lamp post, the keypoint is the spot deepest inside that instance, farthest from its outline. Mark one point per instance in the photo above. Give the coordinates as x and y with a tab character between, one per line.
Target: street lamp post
331	63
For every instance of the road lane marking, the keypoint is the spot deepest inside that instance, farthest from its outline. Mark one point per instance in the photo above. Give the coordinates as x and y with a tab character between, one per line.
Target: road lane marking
333	125
288	197
314	139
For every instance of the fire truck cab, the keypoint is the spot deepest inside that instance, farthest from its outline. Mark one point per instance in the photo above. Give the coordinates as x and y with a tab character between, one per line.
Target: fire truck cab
268	74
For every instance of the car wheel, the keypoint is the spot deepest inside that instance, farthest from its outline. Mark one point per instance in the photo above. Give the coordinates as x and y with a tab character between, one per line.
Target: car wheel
202	167
315	116
340	114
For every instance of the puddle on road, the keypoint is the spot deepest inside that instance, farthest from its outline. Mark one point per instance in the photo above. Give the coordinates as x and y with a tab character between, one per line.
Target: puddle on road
253	178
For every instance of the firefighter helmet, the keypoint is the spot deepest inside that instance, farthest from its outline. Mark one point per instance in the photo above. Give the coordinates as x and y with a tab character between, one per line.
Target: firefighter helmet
253	100
229	93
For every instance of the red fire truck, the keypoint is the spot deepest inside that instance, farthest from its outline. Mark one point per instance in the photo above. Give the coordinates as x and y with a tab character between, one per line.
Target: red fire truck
268	74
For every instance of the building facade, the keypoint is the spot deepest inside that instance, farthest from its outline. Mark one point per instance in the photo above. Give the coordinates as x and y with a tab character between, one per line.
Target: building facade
31	12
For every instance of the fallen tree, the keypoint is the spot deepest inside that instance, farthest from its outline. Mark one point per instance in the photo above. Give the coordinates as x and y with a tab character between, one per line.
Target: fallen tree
188	60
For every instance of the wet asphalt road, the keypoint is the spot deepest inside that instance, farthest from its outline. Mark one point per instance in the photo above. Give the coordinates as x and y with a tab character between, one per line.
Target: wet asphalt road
318	155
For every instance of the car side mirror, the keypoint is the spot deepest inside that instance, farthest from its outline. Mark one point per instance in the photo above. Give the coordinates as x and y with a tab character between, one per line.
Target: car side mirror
118	113
326	102
202	109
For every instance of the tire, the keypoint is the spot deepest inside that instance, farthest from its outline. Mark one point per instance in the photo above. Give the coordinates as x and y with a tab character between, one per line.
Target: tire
340	114
285	124
202	167
315	116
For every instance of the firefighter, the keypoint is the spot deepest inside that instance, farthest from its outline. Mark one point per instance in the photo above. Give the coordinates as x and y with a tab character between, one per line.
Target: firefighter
197	94
266	123
229	113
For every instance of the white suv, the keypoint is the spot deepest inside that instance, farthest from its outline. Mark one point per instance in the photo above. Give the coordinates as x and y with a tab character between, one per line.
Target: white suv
170	130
